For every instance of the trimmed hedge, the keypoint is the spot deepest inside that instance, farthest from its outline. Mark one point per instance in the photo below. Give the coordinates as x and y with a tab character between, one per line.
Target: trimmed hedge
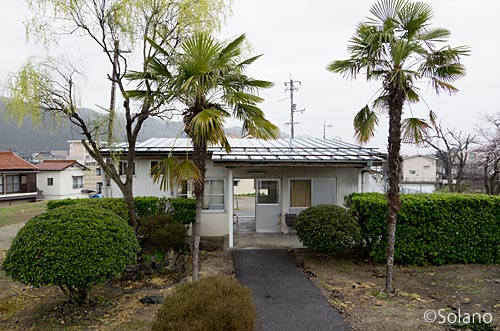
74	247
432	228
145	206
183	209
213	303
163	232
328	228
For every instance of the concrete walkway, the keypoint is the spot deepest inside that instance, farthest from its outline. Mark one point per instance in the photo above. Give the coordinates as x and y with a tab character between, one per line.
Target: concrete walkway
283	295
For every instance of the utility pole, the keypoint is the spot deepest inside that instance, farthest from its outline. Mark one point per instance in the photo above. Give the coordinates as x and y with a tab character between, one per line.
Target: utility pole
290	86
112	113
324	129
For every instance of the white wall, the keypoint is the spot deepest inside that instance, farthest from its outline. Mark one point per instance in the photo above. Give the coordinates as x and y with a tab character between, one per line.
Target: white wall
417	188
215	222
63	183
424	169
143	184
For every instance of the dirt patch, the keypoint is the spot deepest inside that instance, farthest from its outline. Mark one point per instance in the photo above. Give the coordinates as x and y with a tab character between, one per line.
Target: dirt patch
354	284
114	306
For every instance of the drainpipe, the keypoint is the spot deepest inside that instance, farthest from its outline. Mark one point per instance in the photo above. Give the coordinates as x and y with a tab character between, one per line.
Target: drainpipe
230	207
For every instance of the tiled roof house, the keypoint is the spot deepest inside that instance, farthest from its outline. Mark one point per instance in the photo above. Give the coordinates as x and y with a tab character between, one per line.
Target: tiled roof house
17	180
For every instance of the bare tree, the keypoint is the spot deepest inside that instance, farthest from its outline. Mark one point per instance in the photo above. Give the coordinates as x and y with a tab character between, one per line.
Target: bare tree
488	153
48	87
453	154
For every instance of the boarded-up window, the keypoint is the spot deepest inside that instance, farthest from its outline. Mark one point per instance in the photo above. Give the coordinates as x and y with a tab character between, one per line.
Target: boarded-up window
300	193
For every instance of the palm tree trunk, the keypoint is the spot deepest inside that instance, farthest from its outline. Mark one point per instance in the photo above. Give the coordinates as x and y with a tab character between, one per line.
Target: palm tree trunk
199	156
393	198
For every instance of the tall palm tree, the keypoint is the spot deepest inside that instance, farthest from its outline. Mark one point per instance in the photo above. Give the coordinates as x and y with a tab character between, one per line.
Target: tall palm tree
398	46
208	79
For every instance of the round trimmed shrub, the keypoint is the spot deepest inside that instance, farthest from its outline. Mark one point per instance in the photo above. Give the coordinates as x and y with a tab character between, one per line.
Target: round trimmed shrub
328	228
74	247
214	303
163	232
150	224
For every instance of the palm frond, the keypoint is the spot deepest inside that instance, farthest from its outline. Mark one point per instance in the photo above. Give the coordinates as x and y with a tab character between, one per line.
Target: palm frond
348	68
186	170
381	104
208	126
435	35
233	48
163	172
415	130
249	60
365	123
261	128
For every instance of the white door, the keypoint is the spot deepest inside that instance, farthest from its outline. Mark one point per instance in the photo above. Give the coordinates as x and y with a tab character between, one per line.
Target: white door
267	205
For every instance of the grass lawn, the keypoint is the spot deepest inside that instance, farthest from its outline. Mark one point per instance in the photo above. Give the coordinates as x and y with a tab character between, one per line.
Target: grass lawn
21	213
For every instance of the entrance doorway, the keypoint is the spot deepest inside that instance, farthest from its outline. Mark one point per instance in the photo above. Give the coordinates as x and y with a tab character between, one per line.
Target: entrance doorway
244	206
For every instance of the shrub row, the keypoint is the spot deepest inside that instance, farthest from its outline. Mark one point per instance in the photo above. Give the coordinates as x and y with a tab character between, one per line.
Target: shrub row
432	228
183	210
145	206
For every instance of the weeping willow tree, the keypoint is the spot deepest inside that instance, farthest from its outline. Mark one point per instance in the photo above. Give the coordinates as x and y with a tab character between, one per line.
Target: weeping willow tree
48	87
398	46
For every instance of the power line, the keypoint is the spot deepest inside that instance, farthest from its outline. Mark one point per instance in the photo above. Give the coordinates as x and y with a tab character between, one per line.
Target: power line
291	86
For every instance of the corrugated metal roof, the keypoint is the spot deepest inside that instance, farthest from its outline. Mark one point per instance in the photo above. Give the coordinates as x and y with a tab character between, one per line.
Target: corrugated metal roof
263	151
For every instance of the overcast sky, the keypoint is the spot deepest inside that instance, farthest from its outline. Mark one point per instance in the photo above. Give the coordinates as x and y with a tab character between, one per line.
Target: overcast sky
300	38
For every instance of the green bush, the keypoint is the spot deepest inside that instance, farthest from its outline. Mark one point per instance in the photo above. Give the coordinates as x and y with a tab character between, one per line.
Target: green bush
150	224
172	235
433	228
148	206
327	228
72	246
183	210
215	304
144	206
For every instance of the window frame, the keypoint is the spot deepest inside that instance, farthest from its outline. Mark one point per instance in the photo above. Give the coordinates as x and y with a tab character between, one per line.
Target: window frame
122	168
78	183
50	181
223	194
257	187
13	185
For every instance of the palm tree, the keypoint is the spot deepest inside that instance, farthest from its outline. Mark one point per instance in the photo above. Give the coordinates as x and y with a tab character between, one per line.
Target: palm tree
208	79
398	46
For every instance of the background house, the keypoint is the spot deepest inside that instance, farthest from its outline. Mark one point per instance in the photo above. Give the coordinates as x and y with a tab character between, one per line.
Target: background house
17	180
289	175
93	177
61	179
419	174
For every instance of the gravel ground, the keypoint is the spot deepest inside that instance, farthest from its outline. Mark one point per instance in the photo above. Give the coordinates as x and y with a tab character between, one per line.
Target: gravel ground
7	233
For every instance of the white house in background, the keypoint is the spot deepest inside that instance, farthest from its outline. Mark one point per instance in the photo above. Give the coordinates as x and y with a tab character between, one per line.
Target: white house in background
93	178
61	179
290	175
419	174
